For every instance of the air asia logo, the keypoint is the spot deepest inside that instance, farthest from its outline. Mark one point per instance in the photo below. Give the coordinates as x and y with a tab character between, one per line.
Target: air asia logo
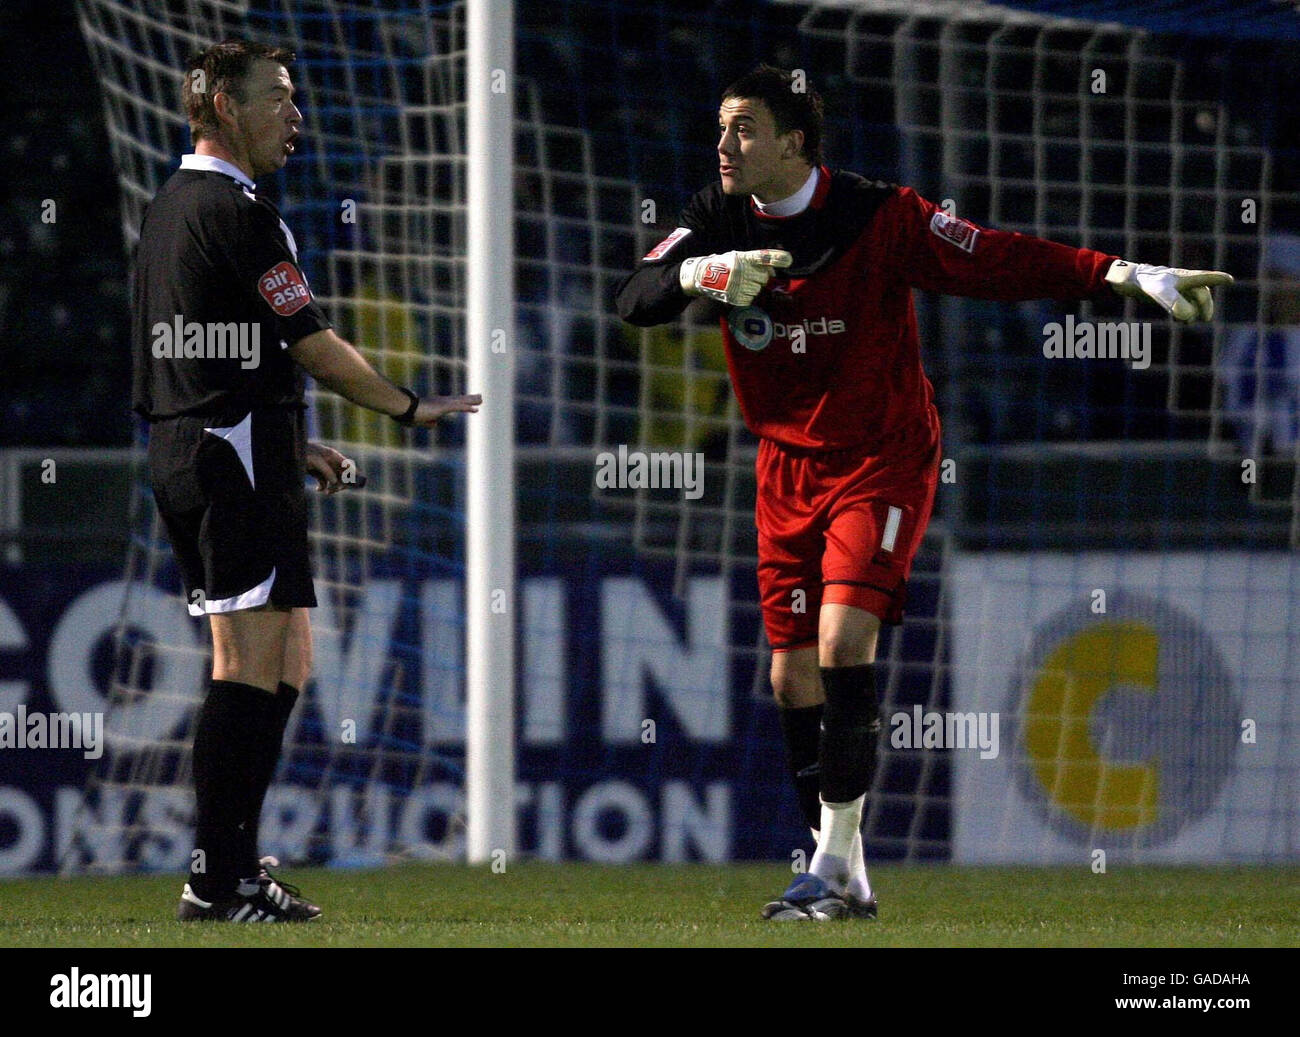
754	329
284	289
955	229
666	246
1126	722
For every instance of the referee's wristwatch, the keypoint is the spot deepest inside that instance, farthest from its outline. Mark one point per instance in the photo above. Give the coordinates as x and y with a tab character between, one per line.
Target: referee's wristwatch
408	415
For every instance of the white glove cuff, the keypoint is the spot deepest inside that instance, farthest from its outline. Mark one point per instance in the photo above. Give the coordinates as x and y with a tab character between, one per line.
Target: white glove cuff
686	275
1120	272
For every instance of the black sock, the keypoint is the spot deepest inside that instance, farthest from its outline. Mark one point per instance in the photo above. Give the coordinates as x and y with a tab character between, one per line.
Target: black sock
231	727
850	729
268	749
802	728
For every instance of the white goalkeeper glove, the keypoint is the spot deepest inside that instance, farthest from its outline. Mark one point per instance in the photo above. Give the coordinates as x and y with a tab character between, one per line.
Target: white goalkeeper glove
732	277
1184	294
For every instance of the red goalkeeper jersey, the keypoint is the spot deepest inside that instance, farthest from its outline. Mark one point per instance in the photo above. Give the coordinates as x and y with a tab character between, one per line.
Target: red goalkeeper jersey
828	355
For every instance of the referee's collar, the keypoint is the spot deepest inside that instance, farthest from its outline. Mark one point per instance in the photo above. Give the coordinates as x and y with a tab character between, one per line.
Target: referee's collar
212	164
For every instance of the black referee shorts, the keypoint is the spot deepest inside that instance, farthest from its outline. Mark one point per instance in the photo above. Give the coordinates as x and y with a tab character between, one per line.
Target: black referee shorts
234	508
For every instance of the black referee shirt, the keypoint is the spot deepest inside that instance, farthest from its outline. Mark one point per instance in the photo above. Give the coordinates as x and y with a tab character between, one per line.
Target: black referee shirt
218	296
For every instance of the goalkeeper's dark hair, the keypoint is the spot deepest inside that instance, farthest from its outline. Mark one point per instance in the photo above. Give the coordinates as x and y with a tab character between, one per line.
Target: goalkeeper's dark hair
791	99
224	67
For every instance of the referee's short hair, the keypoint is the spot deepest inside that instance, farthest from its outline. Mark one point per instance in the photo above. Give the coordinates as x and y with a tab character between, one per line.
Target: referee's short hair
221	68
794	104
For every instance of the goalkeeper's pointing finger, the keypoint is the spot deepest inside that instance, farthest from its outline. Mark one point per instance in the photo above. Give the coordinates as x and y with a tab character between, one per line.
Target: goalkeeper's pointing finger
771	257
1207	278
1183	294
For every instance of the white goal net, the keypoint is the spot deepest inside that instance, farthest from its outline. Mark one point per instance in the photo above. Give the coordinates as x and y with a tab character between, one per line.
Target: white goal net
639	605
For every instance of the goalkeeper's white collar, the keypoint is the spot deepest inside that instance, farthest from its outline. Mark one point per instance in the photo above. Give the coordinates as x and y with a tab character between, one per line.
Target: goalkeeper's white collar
212	164
796	203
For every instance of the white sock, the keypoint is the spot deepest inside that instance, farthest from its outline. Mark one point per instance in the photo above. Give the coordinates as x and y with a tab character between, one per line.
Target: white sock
840	824
859	884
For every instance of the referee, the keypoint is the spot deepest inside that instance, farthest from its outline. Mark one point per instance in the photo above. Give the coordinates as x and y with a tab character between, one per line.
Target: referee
224	325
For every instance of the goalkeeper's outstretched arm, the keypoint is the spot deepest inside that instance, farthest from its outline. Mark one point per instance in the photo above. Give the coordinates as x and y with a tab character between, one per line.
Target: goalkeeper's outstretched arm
937	251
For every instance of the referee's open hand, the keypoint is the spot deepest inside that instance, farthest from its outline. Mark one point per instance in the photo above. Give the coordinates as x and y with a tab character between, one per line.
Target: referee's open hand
432	408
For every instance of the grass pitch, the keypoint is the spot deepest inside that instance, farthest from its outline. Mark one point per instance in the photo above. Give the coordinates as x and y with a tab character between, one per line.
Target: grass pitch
583	905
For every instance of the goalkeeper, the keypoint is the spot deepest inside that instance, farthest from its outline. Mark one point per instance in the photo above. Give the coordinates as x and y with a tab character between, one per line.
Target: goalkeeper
813	270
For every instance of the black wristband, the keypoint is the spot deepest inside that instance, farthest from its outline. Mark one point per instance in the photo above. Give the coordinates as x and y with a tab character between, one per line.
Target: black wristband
407	415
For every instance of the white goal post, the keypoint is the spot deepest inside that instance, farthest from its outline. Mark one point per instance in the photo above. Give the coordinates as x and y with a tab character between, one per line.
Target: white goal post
490	500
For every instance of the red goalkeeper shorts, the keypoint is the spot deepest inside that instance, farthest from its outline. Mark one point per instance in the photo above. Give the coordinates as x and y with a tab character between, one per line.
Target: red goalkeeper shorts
840	527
